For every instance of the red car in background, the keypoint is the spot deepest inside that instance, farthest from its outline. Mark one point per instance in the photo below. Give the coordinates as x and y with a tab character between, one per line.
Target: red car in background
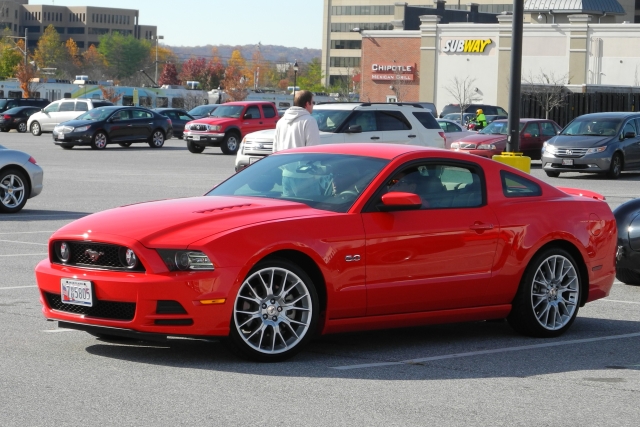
492	140
228	124
335	238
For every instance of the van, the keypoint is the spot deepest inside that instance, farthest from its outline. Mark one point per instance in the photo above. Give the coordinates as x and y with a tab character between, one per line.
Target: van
488	110
8	103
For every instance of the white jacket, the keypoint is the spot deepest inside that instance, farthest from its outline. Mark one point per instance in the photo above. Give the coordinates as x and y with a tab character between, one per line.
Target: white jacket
296	128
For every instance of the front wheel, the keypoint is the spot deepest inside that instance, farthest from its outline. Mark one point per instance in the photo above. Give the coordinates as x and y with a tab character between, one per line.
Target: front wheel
14	190
230	144
193	148
22	127
547	300
36	130
628	276
157	139
615	169
551	174
275	312
100	141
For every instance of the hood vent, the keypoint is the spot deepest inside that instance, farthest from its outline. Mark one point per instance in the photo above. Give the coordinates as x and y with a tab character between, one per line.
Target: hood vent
225	208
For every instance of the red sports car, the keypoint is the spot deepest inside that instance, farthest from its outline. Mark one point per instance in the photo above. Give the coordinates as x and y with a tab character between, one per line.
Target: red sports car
492	140
335	238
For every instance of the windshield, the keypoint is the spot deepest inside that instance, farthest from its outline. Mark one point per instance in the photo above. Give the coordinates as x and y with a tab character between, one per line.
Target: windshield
232	111
3	103
329	182
201	110
330	120
586	127
95	114
499	128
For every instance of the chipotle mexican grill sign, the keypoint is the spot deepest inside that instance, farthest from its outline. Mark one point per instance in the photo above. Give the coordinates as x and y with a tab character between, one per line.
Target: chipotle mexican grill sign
393	72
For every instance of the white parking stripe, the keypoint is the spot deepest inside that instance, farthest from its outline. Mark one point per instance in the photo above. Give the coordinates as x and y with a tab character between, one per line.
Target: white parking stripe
483	352
616	300
17	287
25	243
55	331
39	254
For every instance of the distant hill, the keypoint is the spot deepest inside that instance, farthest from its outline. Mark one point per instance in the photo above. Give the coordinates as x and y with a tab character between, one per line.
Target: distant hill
269	52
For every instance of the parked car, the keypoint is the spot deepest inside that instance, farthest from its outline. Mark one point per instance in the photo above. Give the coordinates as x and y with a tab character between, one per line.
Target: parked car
228	124
360	122
16	118
61	111
9	103
488	110
471	124
114	125
20	179
453	131
466	118
179	118
628	254
431	107
606	143
382	236
492	140
203	110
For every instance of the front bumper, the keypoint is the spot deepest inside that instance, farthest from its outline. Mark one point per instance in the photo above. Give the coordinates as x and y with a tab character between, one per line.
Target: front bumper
246	157
594	163
75	138
203	138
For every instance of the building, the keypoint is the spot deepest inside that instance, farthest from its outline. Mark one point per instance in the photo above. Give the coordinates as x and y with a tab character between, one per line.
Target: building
341	45
84	24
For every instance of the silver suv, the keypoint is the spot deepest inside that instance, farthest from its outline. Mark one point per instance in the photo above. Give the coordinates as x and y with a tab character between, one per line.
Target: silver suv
61	111
400	123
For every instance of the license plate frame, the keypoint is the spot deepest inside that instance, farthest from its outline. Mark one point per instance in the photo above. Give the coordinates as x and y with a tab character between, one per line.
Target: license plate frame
61	136
252	160
567	162
76	292
196	137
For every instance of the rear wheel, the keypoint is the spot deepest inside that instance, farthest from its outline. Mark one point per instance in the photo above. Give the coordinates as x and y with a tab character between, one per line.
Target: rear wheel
14	190
157	139
627	276
100	141
231	143
22	127
615	169
193	148
36	130
551	174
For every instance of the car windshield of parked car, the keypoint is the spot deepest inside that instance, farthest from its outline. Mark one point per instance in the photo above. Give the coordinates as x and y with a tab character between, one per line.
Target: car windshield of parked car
591	127
330	120
329	182
232	111
202	110
95	114
498	128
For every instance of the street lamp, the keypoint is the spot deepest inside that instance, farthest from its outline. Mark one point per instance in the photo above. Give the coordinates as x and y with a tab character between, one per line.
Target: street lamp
295	75
26	49
157	38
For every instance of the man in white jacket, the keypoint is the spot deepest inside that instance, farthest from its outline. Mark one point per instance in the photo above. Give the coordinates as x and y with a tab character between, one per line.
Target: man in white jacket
297	128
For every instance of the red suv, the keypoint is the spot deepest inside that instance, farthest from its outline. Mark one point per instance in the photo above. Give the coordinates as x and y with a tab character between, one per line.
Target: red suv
228	124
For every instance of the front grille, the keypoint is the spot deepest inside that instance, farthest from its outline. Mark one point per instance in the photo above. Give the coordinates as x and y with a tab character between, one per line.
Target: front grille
101	309
570	152
111	257
198	127
170	307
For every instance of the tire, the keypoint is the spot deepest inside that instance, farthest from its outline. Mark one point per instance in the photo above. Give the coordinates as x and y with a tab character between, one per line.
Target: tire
22	127
274	289
627	276
99	141
14	190
156	139
551	284
616	167
193	148
67	146
231	143
124	144
552	174
36	130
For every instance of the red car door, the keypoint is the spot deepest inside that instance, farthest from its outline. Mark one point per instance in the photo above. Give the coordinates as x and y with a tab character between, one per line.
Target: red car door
530	141
437	258
252	120
270	116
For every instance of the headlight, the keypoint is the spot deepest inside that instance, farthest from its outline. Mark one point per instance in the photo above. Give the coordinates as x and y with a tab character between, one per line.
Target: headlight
63	251
486	147
185	260
596	150
551	149
455	145
216	128
81	129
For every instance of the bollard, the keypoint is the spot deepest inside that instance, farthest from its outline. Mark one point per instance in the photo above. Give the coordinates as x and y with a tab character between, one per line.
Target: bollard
516	160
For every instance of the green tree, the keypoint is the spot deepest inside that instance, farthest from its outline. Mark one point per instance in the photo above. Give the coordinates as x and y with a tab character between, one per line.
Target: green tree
310	76
10	57
124	54
50	52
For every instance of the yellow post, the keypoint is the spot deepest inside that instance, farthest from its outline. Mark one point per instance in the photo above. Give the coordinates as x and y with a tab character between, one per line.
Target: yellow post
517	160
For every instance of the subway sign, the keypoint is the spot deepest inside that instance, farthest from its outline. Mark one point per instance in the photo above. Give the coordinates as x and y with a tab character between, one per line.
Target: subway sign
466	46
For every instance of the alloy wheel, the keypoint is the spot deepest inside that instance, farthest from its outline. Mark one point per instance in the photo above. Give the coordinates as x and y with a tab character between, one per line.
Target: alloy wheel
12	191
555	292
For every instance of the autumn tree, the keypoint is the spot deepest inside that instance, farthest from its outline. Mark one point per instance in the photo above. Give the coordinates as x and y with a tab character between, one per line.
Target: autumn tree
257	66
10	55
169	75
27	77
50	52
236	79
93	63
193	69
110	94
72	65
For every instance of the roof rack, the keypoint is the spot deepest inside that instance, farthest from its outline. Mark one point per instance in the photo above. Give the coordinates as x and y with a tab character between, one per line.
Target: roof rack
367	104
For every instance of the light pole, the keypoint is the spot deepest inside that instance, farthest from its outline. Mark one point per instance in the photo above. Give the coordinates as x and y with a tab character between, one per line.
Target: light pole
26	49
157	38
295	76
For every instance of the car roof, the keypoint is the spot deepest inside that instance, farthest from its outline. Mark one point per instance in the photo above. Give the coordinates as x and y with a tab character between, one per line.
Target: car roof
248	102
379	150
524	120
609	115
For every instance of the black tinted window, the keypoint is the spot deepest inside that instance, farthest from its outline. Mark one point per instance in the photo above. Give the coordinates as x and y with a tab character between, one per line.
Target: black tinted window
392	120
67	106
252	113
81	106
101	104
268	111
427	120
547	129
516	186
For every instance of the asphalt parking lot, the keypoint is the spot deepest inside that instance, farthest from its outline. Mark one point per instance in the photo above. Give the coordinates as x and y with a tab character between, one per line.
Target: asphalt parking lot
478	374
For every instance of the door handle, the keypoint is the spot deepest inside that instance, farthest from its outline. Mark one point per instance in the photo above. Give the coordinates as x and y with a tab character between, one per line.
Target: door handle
478	226
260	122
375	137
150	123
412	136
129	126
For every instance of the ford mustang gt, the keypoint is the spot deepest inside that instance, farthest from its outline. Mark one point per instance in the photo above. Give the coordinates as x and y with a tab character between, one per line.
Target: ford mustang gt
335	238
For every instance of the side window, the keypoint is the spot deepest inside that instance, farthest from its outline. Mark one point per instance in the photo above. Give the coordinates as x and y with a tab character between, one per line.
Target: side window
141	114
52	108
489	110
183	116
121	115
269	111
252	112
365	119
501	111
637	124
453	127
67	106
548	129
629	127
427	120
171	114
444	126
532	129
392	120
81	106
516	186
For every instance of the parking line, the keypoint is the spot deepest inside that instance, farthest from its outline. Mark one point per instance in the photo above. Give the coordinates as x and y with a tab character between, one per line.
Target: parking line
39	254
55	331
616	300
25	243
18	287
484	352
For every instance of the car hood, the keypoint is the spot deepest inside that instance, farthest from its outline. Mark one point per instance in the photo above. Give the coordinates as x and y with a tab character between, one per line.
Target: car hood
216	120
578	141
77	123
481	138
176	223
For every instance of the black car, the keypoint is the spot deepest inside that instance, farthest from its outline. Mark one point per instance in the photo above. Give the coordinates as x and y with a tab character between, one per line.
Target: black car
114	125
628	253
203	111
179	118
16	118
8	103
488	110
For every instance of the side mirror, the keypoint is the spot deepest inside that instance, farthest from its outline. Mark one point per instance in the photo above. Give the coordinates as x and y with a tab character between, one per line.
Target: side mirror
629	135
247	116
399	201
354	129
114	119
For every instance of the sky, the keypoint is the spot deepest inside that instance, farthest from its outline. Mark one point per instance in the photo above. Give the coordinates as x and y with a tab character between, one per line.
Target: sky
290	23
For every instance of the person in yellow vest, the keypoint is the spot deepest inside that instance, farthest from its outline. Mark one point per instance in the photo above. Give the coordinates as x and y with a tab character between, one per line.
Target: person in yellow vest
481	120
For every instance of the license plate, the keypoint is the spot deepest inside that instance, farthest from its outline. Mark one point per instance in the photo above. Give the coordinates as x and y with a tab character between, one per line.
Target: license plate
196	137
254	159
567	162
76	292
61	136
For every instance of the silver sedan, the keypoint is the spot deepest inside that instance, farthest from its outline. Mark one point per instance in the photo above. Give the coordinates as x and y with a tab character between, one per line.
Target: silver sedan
453	131
20	179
